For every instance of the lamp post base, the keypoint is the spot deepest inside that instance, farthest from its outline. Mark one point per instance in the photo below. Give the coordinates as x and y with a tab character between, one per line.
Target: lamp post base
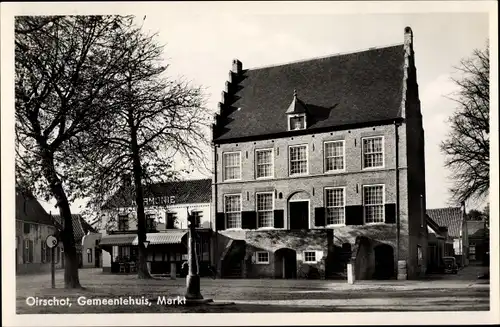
193	288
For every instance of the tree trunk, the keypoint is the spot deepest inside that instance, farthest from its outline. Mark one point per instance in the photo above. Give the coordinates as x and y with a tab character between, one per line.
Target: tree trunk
71	279
142	267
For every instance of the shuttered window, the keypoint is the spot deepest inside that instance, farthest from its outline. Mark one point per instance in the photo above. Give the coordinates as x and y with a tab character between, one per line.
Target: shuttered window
232	210
335	206
265	209
373	203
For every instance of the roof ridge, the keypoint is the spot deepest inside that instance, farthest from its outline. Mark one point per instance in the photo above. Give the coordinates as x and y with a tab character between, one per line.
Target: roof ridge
184	180
457	207
338	54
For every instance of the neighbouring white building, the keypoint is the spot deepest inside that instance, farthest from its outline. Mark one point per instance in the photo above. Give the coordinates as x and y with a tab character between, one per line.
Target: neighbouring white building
166	206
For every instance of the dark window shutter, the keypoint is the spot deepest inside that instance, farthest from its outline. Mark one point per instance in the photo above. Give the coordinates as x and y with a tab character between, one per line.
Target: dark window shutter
249	220
354	215
279	218
31	251
390	213
319	217
220	221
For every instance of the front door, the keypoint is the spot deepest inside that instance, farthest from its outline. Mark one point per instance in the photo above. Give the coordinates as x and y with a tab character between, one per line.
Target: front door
299	215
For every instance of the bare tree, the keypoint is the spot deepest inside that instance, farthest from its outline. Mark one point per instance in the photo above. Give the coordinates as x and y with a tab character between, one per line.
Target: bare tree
67	77
467	147
159	121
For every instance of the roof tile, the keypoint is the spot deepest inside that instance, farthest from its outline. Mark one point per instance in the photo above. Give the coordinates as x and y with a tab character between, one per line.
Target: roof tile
187	191
346	89
448	217
28	209
80	226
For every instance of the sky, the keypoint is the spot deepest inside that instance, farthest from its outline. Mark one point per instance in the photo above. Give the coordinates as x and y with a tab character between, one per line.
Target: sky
440	42
201	42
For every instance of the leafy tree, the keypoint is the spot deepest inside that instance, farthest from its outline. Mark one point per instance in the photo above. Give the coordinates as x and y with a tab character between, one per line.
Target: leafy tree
159	121
475	215
467	147
67	78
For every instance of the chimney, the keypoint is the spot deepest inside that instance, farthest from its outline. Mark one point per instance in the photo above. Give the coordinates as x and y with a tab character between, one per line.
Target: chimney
237	67
408	38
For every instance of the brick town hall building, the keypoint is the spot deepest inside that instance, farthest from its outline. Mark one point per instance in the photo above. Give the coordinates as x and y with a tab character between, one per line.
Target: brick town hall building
319	163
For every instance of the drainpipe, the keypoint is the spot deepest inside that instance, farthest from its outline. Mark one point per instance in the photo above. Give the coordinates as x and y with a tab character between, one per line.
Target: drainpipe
398	227
216	247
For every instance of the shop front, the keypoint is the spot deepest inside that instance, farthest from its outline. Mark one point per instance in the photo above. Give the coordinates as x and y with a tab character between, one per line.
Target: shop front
166	250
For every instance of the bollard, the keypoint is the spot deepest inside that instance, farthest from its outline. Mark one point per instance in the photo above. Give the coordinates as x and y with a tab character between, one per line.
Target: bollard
173	270
350	274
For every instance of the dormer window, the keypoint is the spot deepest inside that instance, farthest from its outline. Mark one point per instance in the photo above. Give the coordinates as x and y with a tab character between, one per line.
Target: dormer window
297	122
296	114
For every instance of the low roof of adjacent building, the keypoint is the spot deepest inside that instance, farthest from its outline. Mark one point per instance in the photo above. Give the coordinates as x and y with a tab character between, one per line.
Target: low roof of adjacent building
80	226
185	191
338	90
448	217
28	209
476	228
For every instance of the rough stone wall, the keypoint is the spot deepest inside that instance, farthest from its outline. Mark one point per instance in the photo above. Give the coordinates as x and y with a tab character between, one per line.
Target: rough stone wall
273	240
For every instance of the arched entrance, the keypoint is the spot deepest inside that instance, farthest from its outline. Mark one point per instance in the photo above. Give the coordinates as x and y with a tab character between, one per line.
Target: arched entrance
299	210
285	263
384	262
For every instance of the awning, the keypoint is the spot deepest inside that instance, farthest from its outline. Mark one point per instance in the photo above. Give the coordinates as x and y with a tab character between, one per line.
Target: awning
166	237
118	239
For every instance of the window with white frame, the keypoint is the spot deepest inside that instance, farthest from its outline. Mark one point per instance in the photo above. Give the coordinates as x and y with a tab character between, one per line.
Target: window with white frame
373	203
310	256
373	152
264	163
297	122
232	165
298	159
334	156
262	257
335	206
265	217
233	210
123	222
28	251
43	252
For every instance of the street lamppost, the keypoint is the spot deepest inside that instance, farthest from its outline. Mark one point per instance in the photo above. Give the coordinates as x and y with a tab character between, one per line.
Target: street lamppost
193	294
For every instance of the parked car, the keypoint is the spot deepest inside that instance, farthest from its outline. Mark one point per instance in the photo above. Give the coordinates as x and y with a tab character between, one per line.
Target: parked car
450	265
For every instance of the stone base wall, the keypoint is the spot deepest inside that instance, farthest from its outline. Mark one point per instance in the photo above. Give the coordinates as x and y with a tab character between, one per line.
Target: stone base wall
362	244
276	243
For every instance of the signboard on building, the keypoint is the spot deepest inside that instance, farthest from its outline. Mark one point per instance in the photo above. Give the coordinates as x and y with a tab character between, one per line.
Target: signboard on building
157	201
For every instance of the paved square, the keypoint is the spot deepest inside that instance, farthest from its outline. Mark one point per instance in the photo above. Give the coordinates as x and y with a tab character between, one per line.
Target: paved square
448	293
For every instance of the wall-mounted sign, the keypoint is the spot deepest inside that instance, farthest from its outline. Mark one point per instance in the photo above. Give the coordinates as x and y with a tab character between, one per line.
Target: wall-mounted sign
157	201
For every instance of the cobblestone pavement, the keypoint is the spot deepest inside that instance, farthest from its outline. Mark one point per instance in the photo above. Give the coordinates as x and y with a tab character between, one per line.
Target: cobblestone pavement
450	292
